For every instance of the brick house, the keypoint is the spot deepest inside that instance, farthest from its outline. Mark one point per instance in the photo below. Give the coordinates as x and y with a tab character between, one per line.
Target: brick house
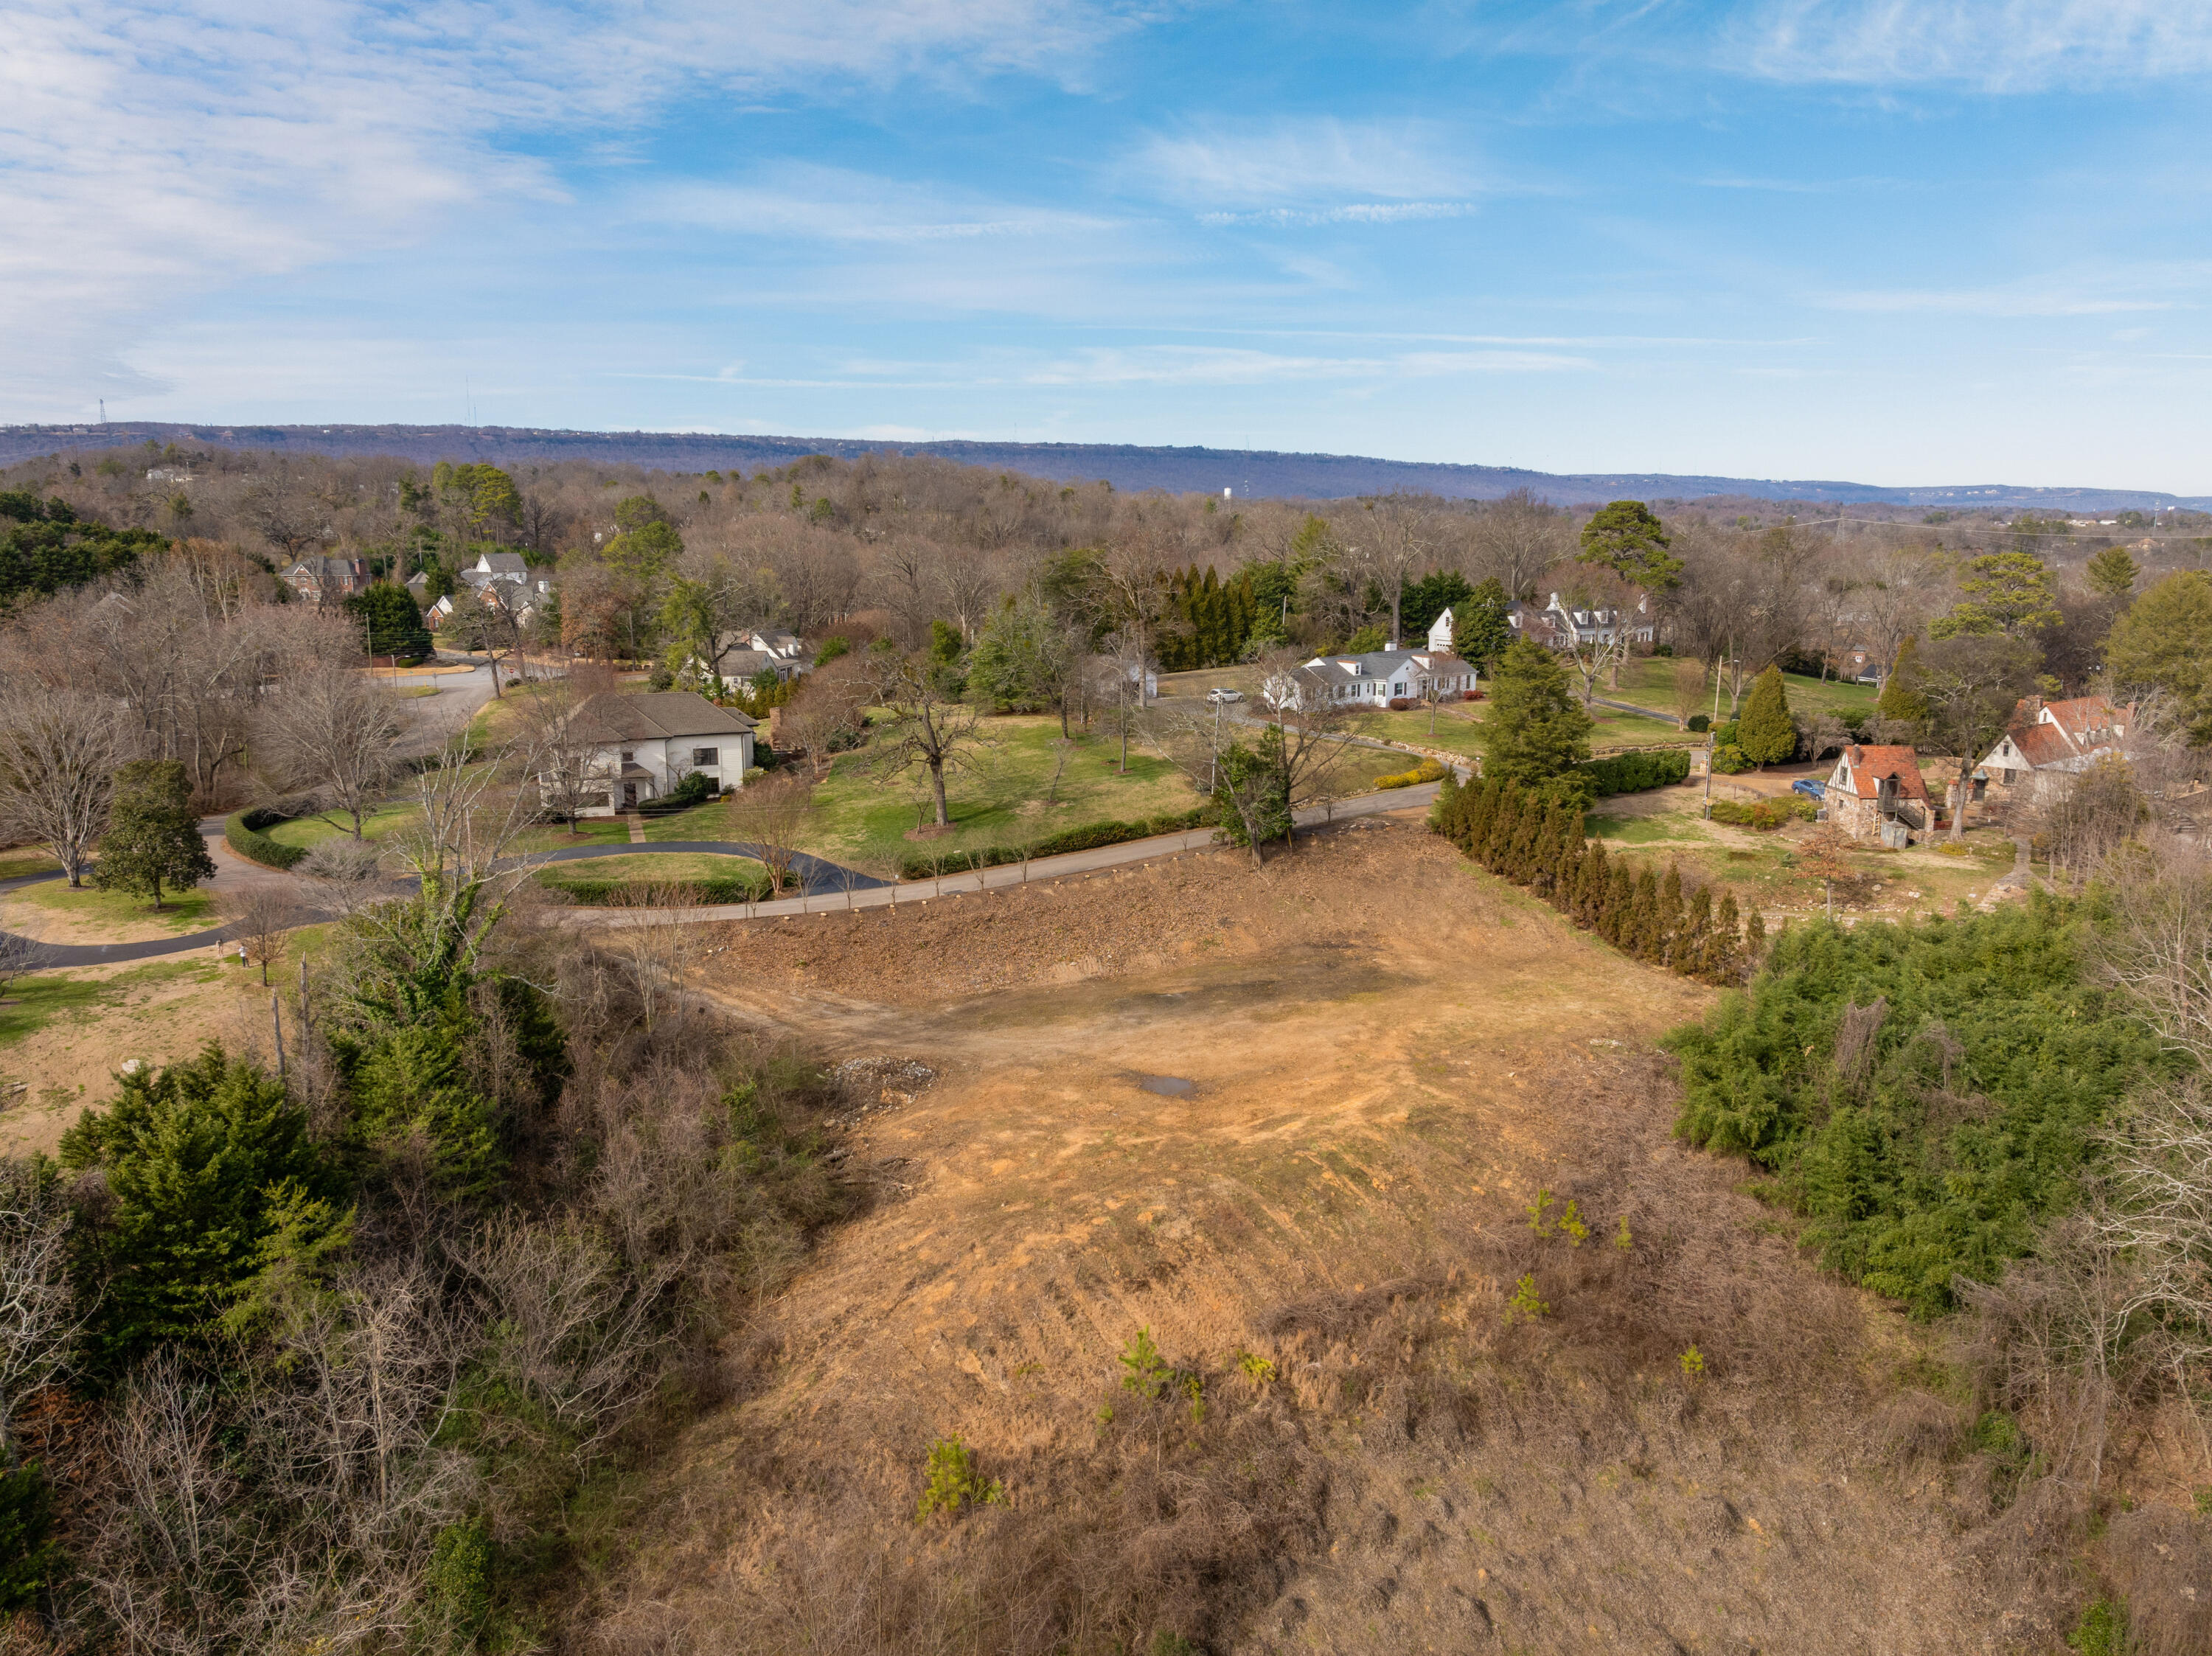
1877	793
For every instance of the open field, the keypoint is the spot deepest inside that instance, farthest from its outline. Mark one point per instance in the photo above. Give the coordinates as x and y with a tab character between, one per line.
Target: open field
1649	682
1385	1060
865	820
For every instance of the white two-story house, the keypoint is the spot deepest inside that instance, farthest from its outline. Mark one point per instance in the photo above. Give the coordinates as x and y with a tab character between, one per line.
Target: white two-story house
644	745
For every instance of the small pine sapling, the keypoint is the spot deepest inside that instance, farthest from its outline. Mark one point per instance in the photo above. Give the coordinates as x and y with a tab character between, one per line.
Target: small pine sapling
1526	1301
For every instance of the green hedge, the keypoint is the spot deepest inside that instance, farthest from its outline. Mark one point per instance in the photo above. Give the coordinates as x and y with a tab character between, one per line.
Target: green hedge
1633	773
1428	770
722	888
921	864
1764	814
242	832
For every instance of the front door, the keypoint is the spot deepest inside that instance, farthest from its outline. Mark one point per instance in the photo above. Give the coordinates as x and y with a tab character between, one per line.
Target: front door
630	796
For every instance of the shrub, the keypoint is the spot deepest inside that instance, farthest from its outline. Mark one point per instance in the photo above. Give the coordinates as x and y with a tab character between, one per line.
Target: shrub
954	1482
1700	723
1766	815
1926	1094
695	788
1429	770
1725	734
458	1584
921	864
28	1559
1729	760
242	832
1633	773
1399	704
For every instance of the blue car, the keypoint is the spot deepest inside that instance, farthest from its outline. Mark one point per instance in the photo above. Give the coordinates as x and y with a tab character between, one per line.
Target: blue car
1811	786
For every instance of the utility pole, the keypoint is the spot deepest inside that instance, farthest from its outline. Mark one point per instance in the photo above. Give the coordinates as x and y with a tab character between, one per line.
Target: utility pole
277	1022
1713	737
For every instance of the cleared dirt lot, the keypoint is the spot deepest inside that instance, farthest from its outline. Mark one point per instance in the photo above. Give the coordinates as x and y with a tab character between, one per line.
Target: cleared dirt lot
1392	1058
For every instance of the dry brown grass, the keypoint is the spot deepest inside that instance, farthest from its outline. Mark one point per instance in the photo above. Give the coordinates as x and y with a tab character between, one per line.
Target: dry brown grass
1394	1056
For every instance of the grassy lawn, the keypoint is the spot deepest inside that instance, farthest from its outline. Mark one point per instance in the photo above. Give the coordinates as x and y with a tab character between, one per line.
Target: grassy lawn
388	819
1457	726
31	1003
589	877
1649	682
24	861
1619	831
1764	870
187	911
1000	801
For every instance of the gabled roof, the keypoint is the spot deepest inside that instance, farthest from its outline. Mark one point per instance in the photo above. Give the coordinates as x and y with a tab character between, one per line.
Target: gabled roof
1867	765
2041	744
501	563
2088	721
669	713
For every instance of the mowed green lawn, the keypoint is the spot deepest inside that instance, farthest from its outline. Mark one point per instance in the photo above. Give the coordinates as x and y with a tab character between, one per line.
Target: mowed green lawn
1649	682
996	797
180	910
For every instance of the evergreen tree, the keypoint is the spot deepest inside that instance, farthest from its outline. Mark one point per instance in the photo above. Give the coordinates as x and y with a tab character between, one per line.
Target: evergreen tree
1619	897
1595	882
1901	701
390	623
152	839
1670	914
1697	926
1754	945
1535	733
1640	934
194	1156
413	1096
1480	632
1720	961
1764	732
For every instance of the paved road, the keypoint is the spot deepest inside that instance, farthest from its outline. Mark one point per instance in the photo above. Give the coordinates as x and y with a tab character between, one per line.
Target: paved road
1100	859
233	873
816	875
825	886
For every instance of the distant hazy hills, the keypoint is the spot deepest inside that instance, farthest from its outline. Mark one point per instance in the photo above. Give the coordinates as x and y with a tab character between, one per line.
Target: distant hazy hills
1126	466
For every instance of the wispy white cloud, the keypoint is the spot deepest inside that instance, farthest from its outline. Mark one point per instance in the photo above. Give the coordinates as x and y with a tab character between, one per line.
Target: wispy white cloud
1308	164
1179	365
1991	302
150	152
1364	212
1996	46
828	204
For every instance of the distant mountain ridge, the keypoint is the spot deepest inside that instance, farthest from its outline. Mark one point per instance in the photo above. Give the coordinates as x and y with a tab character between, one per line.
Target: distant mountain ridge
1126	466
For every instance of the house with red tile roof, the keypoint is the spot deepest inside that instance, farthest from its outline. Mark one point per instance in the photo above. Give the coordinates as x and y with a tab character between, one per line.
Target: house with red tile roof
1876	792
2049	740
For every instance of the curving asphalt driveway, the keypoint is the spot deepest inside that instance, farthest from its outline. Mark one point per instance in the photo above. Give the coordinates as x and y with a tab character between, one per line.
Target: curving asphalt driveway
816	878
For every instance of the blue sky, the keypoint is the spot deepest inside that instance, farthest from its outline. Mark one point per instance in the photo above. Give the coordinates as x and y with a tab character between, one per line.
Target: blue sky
1872	240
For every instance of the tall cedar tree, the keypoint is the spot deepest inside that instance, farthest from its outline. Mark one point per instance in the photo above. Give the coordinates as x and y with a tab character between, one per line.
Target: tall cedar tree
1535	733
391	624
152	839
2164	644
1764	732
200	1159
1901	703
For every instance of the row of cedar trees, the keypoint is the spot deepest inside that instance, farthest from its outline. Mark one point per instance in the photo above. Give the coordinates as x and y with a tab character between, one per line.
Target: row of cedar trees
1521	837
1216	620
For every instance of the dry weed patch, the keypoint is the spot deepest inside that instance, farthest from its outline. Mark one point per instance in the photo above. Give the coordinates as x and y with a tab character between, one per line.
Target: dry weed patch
1244	1361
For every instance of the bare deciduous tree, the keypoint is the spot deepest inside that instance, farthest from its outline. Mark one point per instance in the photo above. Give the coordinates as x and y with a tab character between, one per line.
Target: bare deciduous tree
259	918
770	815
330	741
923	728
59	752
